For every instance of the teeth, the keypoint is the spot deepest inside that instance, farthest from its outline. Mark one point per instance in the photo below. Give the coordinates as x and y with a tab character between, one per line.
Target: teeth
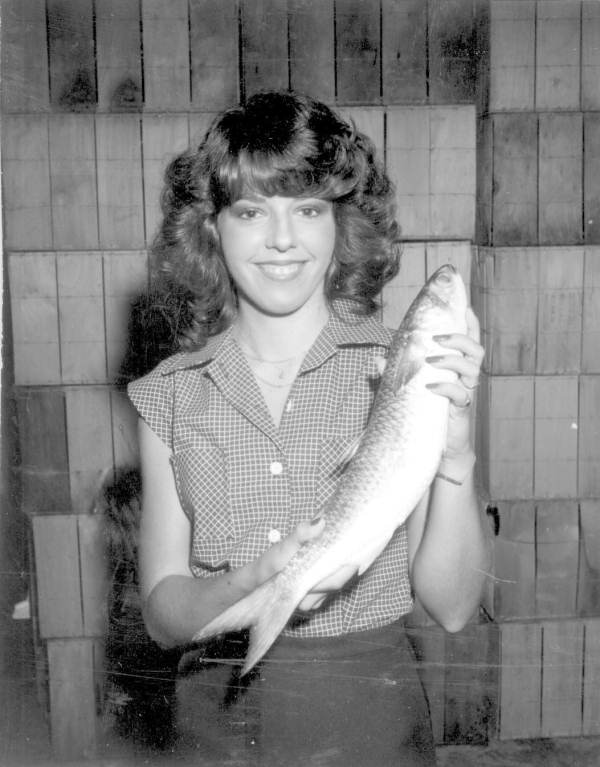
280	270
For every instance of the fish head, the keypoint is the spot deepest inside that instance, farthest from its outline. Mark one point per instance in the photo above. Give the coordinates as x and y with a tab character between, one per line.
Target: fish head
441	306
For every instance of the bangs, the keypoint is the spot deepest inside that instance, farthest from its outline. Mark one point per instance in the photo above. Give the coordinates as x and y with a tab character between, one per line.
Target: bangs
268	176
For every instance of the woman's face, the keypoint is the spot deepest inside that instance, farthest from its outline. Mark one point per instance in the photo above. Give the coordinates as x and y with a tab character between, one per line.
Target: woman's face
278	250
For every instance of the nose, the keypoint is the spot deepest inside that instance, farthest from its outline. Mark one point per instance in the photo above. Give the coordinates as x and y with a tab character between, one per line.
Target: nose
281	235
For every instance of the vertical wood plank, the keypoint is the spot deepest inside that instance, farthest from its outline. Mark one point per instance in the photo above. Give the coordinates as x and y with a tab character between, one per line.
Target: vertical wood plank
73	181
34	308
454	51
591	680
407	163
120	198
81	317
119	55
429	645
560	179
358	52
512	55
562	678
590	344
214	51
558	52
588	591
511	437
484	181
24	70
555	448
512	302
557	558
472	662
520	680
125	278
90	443
404	51
57	577
71	54
590	56
591	177
26	182
264	45
44	461
589	436
124	430
452	172
94	574
401	291
515	201
312	67
163	137
72	698
560	310
166	55
514	562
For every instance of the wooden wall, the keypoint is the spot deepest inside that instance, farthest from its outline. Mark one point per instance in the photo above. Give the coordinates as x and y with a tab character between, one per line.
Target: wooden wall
485	113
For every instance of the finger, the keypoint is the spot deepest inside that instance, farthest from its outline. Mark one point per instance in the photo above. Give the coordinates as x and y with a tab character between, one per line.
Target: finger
473	329
306	531
462	343
464	367
457	394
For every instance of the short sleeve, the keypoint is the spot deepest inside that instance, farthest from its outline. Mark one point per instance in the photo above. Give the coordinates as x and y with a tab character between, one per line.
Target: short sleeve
152	397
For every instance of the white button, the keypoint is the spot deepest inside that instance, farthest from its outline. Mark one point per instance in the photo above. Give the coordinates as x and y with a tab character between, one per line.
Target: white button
276	468
289	406
274	536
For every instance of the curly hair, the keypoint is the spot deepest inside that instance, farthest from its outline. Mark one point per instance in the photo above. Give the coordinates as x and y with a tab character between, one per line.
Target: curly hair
286	144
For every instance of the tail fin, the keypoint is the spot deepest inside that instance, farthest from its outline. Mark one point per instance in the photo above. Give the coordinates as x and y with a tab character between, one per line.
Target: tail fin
266	610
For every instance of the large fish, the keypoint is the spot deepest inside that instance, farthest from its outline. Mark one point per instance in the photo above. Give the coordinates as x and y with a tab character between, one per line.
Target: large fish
394	464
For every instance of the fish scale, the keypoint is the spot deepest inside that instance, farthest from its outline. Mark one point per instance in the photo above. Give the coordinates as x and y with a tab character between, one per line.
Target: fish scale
394	464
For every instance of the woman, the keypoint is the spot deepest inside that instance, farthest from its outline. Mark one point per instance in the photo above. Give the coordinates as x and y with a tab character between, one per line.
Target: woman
282	226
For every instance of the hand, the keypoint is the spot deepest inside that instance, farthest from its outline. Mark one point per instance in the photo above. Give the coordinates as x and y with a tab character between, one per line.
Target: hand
279	554
461	393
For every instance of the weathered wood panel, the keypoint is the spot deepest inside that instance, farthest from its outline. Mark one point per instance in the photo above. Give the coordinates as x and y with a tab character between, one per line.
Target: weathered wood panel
591	679
590	343
558	55
512	55
166	43
120	197
119	55
26	182
358	53
560	187
404	51
71	54
264	45
312	67
34	309
591	177
562	678
24	70
555	448
590	55
589	436
214	53
520	680
557	558
73	182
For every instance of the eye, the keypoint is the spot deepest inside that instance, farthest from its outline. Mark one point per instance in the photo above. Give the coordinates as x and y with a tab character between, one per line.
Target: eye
312	209
248	214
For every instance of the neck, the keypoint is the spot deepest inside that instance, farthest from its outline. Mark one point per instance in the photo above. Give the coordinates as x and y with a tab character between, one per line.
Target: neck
278	338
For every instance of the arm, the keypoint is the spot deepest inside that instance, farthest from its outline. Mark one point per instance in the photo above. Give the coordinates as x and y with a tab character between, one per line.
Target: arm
449	549
175	603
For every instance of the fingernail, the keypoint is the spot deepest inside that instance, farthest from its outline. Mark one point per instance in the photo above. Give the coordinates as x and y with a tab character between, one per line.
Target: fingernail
443	337
316	520
435	358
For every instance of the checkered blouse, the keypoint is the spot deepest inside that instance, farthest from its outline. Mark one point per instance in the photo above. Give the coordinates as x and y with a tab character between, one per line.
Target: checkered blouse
245	483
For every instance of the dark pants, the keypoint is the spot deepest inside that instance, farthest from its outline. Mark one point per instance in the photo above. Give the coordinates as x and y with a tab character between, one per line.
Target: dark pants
354	700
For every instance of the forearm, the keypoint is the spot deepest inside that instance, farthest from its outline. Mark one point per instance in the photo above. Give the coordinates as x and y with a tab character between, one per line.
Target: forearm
179	605
453	558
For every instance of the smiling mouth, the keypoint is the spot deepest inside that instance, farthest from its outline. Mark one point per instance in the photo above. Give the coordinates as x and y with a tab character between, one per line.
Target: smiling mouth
283	271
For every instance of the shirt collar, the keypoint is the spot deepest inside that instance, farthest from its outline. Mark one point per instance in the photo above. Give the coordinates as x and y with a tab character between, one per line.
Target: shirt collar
343	328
